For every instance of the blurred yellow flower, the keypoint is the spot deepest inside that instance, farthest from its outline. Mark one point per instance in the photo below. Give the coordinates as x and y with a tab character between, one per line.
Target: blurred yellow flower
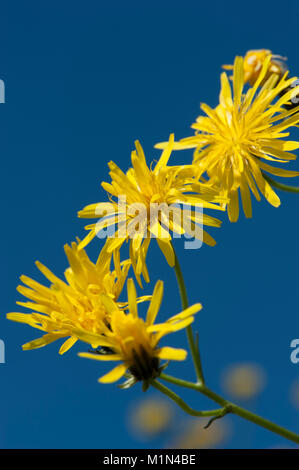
133	341
151	416
74	303
149	192
195	436
232	141
253	63
244	381
294	394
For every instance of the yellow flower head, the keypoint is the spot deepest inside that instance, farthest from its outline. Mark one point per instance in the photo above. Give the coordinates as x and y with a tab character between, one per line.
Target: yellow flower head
232	141
147	194
74	303
134	341
253	62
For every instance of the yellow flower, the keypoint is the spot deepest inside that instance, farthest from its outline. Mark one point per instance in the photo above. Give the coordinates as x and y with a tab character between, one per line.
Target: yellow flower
151	416
76	303
149	192
232	141
253	62
134	341
244	381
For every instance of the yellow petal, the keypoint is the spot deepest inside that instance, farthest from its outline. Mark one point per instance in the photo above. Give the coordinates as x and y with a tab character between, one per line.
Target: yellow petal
108	303
101	357
114	375
49	275
167	250
226	94
171	354
278	171
176	145
165	154
132	297
41	342
67	344
155	303
158	231
87	240
185	313
246	199
93	339
21	317
238	79
233	206
166	328
263	186
99	209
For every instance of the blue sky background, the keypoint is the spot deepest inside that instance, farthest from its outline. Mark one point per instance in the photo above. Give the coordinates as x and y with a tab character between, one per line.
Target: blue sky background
83	81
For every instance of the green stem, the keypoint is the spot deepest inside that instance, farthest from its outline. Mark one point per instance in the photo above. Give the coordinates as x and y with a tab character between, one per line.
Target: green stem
283	187
200	386
179	382
190	411
227	406
184	300
233	408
